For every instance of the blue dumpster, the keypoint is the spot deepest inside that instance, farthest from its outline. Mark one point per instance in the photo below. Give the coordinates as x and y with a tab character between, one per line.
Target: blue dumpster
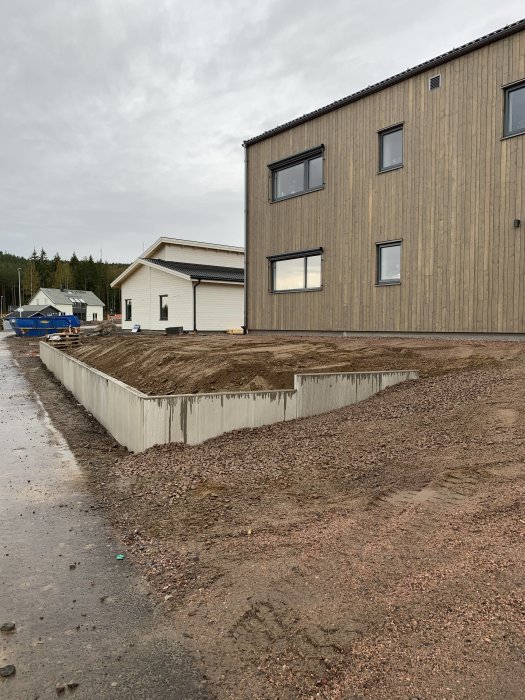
43	325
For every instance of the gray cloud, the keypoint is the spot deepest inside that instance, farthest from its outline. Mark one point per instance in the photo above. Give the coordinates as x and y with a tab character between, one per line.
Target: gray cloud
122	120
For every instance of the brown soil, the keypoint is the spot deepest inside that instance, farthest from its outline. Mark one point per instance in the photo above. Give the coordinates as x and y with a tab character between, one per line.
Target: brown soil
374	553
185	365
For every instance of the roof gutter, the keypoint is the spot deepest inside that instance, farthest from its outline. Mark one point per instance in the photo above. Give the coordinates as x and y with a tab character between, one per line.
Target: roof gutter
195	285
245	327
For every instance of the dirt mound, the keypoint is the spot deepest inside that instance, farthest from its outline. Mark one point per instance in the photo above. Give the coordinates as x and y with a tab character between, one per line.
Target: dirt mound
187	365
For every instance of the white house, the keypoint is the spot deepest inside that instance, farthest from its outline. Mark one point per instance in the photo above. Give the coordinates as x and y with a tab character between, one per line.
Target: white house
77	302
193	285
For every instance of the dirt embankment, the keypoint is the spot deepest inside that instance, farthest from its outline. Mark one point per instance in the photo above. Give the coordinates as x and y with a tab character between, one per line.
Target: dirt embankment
374	553
185	365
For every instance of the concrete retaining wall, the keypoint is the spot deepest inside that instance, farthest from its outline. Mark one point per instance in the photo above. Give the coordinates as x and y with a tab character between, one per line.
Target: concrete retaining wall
320	393
192	418
138	421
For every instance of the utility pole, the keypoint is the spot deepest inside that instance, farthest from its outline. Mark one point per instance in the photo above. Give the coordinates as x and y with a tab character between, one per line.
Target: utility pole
19	295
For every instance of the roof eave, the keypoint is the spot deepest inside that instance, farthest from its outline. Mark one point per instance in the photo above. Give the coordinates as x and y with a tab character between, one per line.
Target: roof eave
146	263
471	46
207	279
166	240
128	271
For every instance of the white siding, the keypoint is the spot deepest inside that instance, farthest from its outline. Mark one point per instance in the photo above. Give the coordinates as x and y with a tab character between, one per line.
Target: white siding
64	308
98	310
144	287
41	299
219	306
200	256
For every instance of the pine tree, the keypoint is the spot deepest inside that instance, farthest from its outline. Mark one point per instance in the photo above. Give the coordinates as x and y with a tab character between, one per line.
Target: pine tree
30	279
74	264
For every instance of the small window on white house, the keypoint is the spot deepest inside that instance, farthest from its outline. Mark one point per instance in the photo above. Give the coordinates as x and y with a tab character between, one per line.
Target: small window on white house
298	271
95	317
127	309
163	301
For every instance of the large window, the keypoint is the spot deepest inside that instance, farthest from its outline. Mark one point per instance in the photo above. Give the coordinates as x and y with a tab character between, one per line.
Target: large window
515	110
127	309
389	262
298	174
391	148
163	304
296	271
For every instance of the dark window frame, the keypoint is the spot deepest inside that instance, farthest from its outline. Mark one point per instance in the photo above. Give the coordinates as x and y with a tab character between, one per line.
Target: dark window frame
385	132
295	255
508	90
163	308
387	282
304	157
127	310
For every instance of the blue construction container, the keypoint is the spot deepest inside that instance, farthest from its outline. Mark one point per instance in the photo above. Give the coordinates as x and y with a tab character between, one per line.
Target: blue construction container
43	325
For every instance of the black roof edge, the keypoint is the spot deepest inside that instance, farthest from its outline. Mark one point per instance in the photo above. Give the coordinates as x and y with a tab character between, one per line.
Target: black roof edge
496	35
307	252
303	155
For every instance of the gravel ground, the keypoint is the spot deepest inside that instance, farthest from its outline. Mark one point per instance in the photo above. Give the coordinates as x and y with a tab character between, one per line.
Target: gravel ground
374	553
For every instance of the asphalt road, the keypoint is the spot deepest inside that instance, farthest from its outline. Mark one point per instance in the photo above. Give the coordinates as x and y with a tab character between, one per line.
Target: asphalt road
82	616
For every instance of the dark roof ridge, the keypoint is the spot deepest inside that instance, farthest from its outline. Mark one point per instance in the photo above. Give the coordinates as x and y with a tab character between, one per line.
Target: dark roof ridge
470	46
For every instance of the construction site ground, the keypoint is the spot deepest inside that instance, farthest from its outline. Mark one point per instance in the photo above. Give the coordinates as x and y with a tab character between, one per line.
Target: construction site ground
373	553
159	364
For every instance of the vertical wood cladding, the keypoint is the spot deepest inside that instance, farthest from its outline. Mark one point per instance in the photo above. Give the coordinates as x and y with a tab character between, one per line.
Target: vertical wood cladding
452	204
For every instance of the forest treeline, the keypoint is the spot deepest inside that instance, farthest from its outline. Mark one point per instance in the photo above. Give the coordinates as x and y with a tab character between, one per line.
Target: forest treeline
40	271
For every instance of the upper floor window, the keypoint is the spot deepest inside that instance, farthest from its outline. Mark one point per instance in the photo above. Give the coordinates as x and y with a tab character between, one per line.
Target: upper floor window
297	174
391	148
127	309
296	271
515	110
388	262
163	303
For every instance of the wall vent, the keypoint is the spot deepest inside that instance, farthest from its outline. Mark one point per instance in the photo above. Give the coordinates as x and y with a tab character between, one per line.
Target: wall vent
434	82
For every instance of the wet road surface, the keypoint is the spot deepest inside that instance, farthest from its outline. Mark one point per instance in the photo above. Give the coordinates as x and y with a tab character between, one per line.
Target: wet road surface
81	615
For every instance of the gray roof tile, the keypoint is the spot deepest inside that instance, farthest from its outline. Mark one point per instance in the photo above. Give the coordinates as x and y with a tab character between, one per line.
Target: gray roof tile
59	296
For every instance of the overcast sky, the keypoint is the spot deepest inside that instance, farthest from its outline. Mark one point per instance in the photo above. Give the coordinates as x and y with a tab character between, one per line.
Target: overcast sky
123	120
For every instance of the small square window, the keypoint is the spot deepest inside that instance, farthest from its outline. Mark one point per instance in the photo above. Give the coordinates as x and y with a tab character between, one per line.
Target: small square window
515	110
391	148
163	301
389	262
127	309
